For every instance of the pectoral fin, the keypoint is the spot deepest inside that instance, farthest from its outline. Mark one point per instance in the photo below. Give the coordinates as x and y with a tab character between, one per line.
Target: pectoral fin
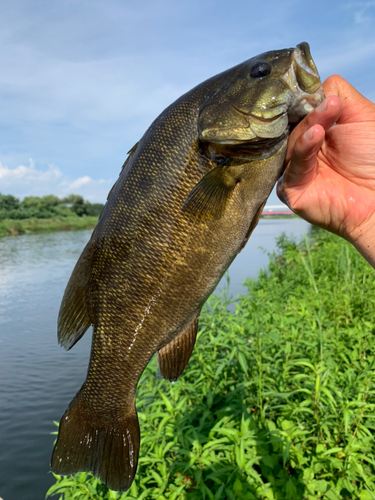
173	357
209	198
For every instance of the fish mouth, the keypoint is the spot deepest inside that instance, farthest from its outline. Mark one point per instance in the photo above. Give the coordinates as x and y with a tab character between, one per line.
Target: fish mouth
303	80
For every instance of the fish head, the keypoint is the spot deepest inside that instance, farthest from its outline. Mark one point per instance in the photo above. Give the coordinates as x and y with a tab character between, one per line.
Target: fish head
257	102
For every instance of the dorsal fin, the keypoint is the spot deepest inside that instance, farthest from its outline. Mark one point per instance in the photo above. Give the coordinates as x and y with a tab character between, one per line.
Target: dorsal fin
173	357
130	153
73	317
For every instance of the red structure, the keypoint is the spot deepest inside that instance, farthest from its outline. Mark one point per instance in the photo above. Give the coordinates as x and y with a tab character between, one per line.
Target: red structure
277	210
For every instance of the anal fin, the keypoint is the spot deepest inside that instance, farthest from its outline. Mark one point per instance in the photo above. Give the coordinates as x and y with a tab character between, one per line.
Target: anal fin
173	358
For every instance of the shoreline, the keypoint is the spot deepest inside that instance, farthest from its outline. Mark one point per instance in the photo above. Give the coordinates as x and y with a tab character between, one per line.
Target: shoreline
269	217
16	227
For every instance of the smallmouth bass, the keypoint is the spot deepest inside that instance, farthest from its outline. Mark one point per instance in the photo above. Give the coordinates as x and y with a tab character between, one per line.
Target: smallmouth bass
187	200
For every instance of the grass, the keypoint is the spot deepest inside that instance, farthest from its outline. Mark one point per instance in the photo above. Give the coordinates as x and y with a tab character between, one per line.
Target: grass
10	227
278	400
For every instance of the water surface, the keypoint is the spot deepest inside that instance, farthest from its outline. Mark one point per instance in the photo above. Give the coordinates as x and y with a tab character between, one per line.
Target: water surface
37	377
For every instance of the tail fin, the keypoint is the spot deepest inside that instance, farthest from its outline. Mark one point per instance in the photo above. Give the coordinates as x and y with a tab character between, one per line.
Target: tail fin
109	452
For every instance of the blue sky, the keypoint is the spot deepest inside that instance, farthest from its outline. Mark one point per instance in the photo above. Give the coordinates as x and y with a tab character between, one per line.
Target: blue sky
81	81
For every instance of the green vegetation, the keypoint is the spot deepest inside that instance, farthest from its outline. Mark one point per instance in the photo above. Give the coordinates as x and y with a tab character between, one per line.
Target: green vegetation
9	227
48	213
278	400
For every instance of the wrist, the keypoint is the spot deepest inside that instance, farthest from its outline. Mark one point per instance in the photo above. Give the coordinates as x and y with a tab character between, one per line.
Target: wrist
363	239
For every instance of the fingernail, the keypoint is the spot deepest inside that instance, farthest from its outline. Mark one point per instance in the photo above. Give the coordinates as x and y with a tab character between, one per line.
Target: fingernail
309	134
321	107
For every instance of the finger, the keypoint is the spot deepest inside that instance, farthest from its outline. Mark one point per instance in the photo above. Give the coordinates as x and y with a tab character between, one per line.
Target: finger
302	168
354	103
326	114
281	192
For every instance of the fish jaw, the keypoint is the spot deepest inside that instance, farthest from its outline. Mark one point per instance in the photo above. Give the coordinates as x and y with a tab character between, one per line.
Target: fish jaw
303	80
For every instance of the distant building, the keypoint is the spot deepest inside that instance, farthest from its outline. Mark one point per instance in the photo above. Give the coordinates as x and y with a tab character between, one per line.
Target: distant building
277	210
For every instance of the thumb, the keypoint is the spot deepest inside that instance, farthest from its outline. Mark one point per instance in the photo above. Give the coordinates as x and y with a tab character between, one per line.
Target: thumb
354	103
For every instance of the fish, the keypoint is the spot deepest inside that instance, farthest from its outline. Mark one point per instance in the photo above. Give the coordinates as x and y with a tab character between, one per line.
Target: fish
188	197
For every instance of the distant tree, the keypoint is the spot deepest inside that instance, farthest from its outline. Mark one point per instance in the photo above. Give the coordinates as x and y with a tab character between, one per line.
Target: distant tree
9	202
76	204
42	207
46	206
81	207
49	201
31	202
94	209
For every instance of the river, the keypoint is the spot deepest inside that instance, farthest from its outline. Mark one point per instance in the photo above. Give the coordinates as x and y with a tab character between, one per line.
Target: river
37	377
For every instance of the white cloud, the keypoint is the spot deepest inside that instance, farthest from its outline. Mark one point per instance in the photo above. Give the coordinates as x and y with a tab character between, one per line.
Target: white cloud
24	181
28	174
95	191
82	181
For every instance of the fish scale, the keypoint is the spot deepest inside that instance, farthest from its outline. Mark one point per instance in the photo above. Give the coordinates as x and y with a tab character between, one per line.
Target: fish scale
186	201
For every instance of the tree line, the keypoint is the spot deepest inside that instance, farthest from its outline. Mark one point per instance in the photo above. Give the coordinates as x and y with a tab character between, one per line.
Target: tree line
45	207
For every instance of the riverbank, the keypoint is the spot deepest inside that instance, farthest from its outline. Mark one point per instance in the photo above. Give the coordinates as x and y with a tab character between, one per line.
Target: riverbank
14	227
276	217
278	399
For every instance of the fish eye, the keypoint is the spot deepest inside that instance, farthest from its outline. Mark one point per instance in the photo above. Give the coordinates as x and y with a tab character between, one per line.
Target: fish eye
260	70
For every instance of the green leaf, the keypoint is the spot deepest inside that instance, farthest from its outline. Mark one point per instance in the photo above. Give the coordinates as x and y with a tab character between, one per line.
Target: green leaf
332	450
243	361
290	489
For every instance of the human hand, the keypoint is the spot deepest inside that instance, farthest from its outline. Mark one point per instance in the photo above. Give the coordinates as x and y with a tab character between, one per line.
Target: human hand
330	175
